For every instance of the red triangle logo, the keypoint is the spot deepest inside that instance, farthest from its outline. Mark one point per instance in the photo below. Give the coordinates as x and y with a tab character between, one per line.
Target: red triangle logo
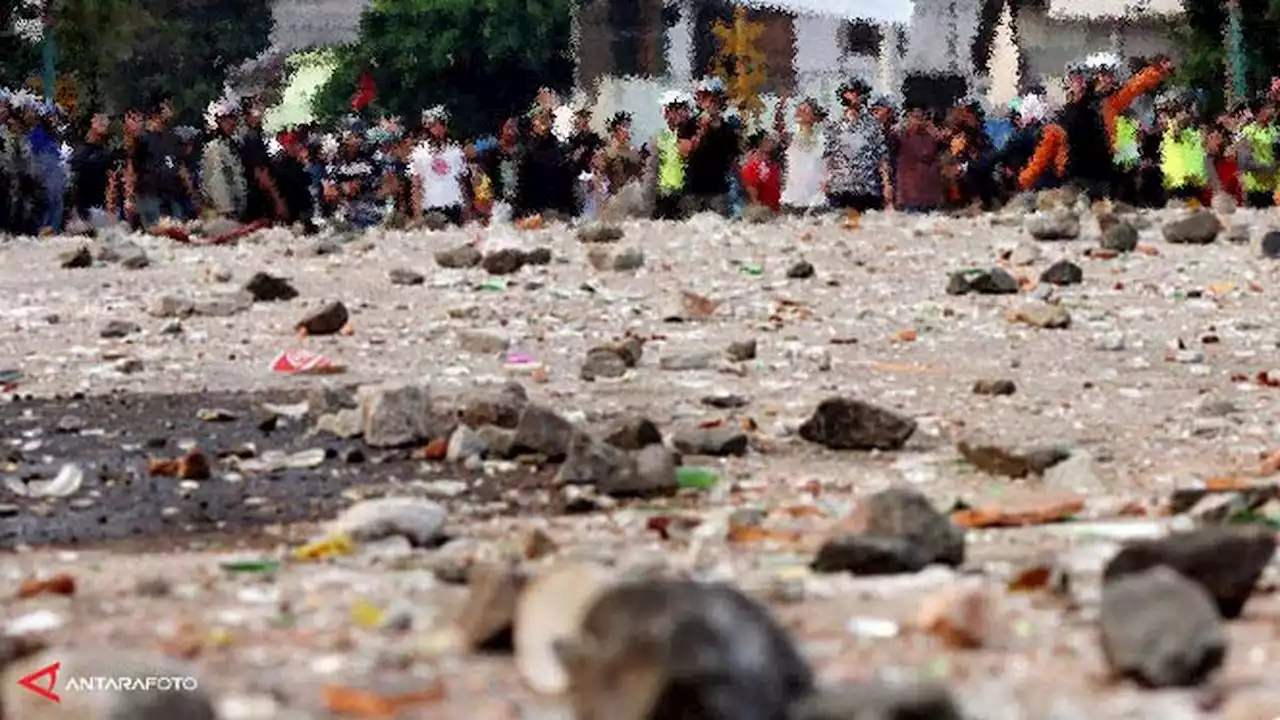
30	682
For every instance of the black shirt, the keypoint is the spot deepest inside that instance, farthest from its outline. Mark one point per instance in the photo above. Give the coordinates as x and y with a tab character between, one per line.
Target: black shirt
92	163
582	145
711	161
156	162
1090	153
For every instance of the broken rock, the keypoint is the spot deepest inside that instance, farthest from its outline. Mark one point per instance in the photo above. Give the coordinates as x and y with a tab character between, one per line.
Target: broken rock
1199	228
717	441
847	424
264	287
1160	629
327	320
418	521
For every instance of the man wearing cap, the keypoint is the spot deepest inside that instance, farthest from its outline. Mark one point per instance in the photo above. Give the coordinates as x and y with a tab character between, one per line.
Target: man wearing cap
711	153
666	167
222	181
857	156
438	168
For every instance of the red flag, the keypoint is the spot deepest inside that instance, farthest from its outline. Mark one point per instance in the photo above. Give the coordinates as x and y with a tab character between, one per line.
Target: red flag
365	93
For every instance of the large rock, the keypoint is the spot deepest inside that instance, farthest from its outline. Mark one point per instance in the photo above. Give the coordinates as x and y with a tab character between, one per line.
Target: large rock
718	441
1063	272
400	415
633	433
1160	629
907	514
1121	236
417	520
846	424
659	649
176	700
1227	562
649	472
265	287
1057	224
880	701
1199	228
543	431
498	405
459	258
328	319
870	555
596	233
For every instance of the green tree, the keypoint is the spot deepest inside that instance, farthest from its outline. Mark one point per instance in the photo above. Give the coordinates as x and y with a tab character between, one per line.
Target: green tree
481	58
1205	54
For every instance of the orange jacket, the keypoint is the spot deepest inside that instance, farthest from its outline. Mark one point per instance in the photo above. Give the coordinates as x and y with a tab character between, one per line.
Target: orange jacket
1052	151
1115	104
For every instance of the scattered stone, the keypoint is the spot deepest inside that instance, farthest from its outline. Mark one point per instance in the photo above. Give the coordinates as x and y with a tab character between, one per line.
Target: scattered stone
1199	228
880	701
758	215
1238	234
327	320
995	281
633	433
1111	342
1059	224
598	233
498	442
482	342
538	256
1198	555
77	259
1077	473
1161	630
459	258
549	614
132	257
718	441
725	402
742	350
1042	315
994	387
418	521
464	444
116	329
405	276
905	514
689	360
504	262
603	362
325	247
1268	245
544	432
224	305
960	615
269	288
846	424
1121	237
488	618
498	406
649	649
344	424
396	416
1024	254
995	460
870	555
802	270
170	306
1063	272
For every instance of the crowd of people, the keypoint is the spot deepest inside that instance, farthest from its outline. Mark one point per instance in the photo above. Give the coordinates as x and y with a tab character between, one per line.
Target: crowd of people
1121	133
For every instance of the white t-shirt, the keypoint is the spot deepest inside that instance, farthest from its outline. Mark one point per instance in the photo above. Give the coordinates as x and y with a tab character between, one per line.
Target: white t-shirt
440	172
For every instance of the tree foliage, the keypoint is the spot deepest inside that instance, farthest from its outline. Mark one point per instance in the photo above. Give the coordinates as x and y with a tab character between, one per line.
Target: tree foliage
481	58
1205	53
126	52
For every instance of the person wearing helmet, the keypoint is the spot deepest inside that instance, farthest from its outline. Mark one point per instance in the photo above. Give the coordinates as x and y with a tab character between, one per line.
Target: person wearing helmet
1183	160
857	156
222	181
712	152
666	165
1116	99
1048	163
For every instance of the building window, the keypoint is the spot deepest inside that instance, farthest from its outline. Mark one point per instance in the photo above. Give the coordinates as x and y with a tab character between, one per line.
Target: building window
862	38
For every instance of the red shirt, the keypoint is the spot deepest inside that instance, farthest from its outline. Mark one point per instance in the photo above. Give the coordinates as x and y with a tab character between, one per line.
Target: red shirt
766	177
1228	173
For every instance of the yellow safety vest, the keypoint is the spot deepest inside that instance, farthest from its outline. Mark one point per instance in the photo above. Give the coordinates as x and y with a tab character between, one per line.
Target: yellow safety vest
1127	152
1182	159
1262	144
670	164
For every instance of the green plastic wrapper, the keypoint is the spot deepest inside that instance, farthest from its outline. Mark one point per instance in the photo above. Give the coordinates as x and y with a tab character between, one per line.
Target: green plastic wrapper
698	478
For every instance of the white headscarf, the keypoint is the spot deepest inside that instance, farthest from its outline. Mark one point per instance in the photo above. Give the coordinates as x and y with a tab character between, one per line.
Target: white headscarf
1033	108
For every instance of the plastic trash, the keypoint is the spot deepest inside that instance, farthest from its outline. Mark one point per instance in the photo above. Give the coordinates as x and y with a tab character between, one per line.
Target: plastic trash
250	566
327	547
698	478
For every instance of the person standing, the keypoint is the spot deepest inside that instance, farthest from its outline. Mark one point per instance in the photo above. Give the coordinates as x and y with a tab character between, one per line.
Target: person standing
543	182
710	153
919	173
803	170
666	167
762	174
1258	140
222	181
92	167
263	199
438	168
857	156
159	179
